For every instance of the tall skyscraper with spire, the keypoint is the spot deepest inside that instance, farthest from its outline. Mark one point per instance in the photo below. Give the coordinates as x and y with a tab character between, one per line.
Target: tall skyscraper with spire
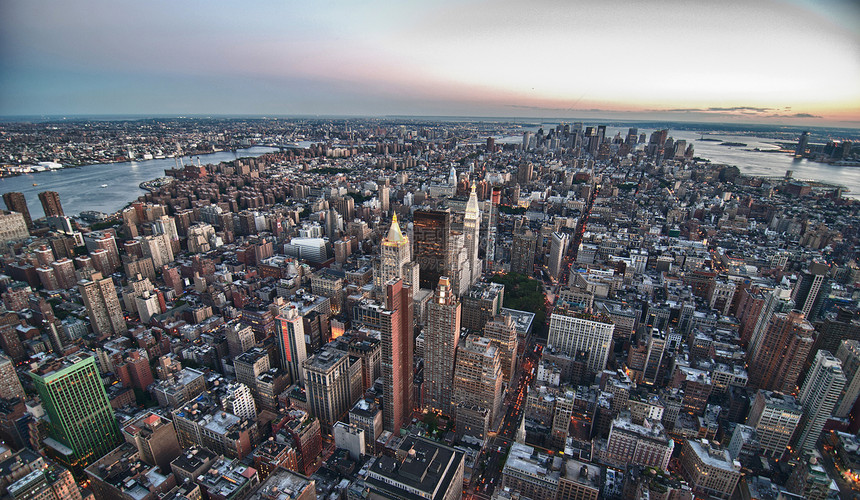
397	346
395	258
471	233
440	347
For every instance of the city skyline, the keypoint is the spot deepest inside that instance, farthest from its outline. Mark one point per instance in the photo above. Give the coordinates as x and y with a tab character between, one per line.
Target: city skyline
739	62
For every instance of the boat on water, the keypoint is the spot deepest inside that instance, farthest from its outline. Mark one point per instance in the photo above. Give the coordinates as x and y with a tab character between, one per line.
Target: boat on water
104	185
35	184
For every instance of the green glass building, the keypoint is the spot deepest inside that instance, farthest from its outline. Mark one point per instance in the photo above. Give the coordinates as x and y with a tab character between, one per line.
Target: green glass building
82	427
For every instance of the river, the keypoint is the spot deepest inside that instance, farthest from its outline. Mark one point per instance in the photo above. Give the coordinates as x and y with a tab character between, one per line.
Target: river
80	188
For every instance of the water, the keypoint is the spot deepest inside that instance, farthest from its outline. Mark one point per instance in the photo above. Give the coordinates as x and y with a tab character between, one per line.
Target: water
80	188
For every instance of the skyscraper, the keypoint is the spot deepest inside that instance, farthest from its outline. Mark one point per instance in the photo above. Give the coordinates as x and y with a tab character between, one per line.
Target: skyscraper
777	300
82	426
807	292
775	417
654	358
849	355
558	247
502	330
395	258
290	340
523	252
775	365
102	305
477	385
440	343
397	345
800	151
481	303
819	394
16	202
327	385
431	230
471	233
51	203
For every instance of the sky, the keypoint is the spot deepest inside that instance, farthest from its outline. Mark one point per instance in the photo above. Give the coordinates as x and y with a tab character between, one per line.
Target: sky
766	61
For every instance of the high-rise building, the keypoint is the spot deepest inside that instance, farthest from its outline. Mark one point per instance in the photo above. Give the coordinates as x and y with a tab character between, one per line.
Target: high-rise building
845	325
477	385
157	247
397	346
783	348
367	415
250	365
818	396
290	339
481	303
395	258
800	150
502	330
558	248
64	270
51	203
327	386
777	300
654	357
471	233
523	252
849	354
10	384
807	292
431	230
775	417
102	303
16	202
384	195
82	426
440	339
97	240
571	331
240	338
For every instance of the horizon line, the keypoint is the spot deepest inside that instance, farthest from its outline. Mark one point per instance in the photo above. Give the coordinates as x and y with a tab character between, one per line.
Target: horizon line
848	124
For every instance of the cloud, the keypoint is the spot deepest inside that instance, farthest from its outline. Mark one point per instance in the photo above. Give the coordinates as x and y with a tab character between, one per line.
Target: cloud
559	108
794	115
732	109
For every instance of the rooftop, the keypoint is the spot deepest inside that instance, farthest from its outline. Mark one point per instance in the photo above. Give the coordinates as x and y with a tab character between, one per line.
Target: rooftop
282	484
714	457
421	464
581	472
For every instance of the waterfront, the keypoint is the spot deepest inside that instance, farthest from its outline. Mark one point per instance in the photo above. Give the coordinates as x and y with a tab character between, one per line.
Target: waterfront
750	162
80	188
